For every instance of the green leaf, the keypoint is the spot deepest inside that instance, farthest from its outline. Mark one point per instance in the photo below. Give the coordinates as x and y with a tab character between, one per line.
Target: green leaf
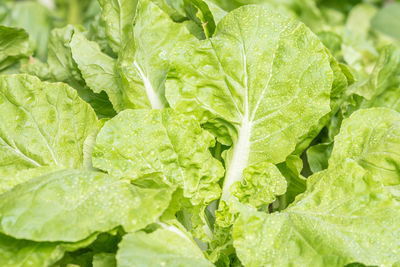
318	156
60	64
382	87
143	63
371	137
12	177
261	183
34	18
344	216
70	205
104	260
96	31
260	88
305	10
142	142
43	126
118	16
203	16
192	216
168	246
24	253
217	12
341	81
387	21
296	183
61	67
332	41
97	69
14	44
136	79
358	49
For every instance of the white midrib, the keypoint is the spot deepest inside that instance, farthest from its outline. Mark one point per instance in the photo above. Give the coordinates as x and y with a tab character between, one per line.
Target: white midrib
240	156
153	97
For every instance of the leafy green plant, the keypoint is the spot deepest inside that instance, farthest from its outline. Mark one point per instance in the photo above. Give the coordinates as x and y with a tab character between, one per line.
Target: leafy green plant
199	133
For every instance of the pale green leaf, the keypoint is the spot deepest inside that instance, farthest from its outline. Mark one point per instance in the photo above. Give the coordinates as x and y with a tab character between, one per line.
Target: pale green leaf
382	87
61	67
267	86
43	126
24	253
371	137
143	63
97	69
119	16
169	147
164	247
70	205
217	11
11	178
344	216
357	47
141	142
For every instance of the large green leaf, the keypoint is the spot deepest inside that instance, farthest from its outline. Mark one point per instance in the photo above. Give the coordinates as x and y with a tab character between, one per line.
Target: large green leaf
344	216
14	44
43	126
140	142
164	247
371	137
70	205
260	89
